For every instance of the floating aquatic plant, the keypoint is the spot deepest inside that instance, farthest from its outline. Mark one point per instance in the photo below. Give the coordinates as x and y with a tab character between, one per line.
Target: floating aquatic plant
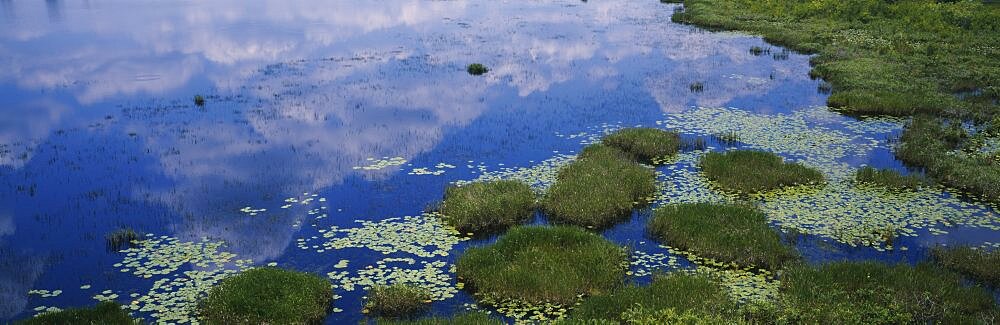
433	276
409	234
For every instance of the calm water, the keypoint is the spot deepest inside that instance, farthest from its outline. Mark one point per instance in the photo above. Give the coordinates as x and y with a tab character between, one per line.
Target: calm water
98	129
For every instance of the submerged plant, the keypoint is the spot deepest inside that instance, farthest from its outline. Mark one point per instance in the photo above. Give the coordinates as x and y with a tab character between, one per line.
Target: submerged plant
752	172
647	145
543	265
485	207
727	233
268	296
398	300
476	69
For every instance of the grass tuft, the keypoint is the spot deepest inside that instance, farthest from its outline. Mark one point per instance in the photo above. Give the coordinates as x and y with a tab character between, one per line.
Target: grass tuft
752	172
696	87
543	265
681	292
199	100
121	238
598	189
727	233
486	207
977	264
467	318
105	313
647	145
268	296
476	69
397	300
888	178
876	293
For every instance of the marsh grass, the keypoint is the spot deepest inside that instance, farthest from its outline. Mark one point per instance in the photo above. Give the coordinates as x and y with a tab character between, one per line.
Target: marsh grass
599	189
696	87
543	265
398	300
199	100
646	145
726	233
876	293
105	313
487	207
268	296
120	239
758	51
976	264
927	142
467	318
681	292
752	172
888	178
476	69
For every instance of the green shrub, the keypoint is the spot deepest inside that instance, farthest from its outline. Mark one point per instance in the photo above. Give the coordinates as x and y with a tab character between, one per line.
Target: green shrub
598	189
876	293
105	313
682	292
268	296
477	69
888	178
488	206
752	172
647	145
468	318
977	264
543	264
397	300
727	233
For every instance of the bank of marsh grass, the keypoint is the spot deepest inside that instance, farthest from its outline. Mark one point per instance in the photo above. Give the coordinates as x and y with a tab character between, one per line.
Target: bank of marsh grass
105	313
877	293
681	292
268	296
752	172
927	142
398	300
486	207
599	189
535	264
888	178
466	318
976	264
646	145
726	233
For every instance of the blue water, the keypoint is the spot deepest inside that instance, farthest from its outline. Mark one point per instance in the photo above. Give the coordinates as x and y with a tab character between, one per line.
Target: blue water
98	129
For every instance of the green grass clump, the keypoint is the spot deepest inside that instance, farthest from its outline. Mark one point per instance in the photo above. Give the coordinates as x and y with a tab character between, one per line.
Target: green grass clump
977	264
199	100
488	206
727	233
752	172
397	300
926	142
476	69
543	265
876	293
268	296
105	313
468	318
680	292
888	178
598	189
121	238
647	145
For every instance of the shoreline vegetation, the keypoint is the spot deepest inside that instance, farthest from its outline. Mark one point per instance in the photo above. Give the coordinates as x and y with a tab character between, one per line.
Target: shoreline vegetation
936	61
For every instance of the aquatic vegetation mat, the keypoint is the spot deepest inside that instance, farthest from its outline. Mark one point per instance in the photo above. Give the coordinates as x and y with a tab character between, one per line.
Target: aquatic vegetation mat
398	300
105	313
598	189
267	296
433	276
647	145
540	265
729	233
424	235
753	172
539	176
488	206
